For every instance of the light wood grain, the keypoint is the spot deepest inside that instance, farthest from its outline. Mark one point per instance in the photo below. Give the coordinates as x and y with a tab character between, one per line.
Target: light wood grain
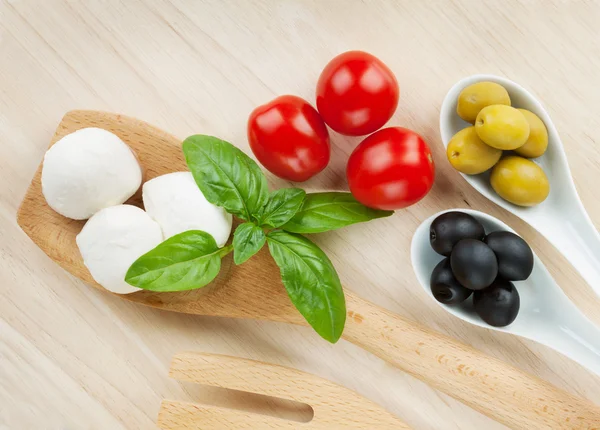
75	357
333	407
255	291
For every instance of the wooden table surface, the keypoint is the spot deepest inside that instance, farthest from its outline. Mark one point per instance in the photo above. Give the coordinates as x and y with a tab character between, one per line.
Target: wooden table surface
72	357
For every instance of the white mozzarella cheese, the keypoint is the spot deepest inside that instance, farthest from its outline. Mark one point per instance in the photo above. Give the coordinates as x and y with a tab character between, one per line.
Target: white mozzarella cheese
87	171
112	240
177	204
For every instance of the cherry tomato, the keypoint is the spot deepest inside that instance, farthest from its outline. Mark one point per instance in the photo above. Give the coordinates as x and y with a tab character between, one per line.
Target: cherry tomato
391	169
289	138
356	93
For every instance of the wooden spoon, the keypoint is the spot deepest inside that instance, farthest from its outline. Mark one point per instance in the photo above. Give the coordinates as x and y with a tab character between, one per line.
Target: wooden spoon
334	407
254	290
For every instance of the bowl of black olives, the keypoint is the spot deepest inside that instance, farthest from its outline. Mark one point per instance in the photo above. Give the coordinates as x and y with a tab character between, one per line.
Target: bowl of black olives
474	265
478	269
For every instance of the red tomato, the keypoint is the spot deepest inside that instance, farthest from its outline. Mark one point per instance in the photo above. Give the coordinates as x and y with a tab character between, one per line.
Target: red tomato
356	93
289	138
391	169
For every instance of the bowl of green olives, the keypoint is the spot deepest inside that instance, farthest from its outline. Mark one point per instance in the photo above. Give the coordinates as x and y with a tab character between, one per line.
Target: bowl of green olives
503	142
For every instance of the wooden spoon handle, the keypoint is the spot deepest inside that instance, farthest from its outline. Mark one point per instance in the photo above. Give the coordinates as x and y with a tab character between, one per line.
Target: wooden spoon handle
494	388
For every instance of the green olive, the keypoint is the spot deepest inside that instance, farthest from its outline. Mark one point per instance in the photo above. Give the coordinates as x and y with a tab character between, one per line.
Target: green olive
468	154
477	96
502	127
537	142
520	181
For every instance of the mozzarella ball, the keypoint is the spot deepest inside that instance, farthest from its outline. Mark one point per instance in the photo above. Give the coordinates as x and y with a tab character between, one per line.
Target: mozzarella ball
177	204
88	170
112	240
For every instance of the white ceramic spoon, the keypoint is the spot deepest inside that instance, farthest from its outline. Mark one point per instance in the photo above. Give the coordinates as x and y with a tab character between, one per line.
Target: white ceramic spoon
561	218
546	316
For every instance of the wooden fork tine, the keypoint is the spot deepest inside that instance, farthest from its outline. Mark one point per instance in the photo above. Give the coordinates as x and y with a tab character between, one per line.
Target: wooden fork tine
334	407
242	375
175	415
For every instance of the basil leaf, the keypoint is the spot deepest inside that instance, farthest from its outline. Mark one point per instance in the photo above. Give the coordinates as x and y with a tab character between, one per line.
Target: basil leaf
248	239
185	261
311	282
282	206
329	211
226	176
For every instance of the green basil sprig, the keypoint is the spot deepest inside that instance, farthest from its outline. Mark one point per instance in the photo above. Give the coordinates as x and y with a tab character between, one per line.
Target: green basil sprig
311	282
229	178
248	239
185	261
322	212
281	207
226	176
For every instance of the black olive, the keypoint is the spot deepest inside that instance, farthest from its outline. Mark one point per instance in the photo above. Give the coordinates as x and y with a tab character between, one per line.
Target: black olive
515	257
498	305
447	229
444	286
474	264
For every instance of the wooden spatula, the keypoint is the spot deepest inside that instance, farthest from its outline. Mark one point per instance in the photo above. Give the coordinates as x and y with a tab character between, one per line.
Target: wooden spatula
334	407
254	290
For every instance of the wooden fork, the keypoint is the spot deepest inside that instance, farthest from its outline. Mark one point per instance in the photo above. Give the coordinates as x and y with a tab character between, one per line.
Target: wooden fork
334	407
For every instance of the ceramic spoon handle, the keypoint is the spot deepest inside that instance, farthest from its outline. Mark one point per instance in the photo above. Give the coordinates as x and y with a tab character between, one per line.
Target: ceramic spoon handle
569	332
498	390
575	236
